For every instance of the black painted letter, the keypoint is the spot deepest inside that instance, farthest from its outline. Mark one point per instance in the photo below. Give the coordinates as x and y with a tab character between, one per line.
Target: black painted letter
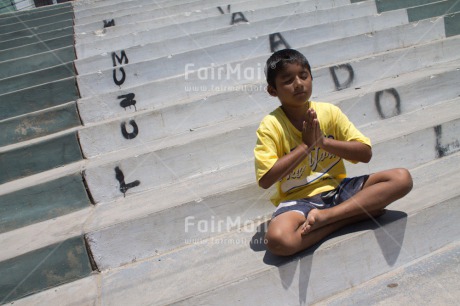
119	59
109	23
238	17
445	149
128	101
125	133
397	104
123	76
121	179
276	39
222	11
347	83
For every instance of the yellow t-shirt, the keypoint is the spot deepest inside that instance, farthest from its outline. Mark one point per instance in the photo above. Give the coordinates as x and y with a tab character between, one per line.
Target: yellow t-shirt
320	171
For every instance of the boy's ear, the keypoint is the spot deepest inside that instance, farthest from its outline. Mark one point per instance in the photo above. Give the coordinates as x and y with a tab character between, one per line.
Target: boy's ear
272	91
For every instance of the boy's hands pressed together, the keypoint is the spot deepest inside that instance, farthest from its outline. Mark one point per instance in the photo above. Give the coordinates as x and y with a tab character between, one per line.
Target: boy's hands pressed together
313	136
311	131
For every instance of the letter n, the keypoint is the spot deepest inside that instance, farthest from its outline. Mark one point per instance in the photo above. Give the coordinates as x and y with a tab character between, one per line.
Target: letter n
109	23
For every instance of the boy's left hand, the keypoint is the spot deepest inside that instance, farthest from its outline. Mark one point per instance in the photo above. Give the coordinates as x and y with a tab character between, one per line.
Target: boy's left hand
313	123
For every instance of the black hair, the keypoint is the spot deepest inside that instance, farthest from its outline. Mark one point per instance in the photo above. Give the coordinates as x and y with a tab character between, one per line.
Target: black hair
278	60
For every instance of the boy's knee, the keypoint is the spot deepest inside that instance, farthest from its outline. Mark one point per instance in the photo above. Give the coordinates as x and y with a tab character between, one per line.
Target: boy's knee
278	243
404	179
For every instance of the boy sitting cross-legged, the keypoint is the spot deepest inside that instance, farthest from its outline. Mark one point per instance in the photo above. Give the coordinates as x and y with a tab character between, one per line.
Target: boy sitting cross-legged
300	148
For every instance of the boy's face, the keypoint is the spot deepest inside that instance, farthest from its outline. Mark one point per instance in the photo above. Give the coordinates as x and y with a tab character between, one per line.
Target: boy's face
293	85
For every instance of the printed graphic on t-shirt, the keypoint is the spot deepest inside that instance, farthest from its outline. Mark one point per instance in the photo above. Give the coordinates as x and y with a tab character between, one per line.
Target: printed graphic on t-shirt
318	163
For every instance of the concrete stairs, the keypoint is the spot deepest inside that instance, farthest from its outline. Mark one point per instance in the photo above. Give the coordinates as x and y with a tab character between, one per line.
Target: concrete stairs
133	181
429	279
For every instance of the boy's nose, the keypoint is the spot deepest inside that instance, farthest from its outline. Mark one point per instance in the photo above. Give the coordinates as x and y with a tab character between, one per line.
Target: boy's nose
297	82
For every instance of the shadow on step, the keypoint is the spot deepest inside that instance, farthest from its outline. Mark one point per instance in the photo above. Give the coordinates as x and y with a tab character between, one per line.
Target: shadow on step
389	230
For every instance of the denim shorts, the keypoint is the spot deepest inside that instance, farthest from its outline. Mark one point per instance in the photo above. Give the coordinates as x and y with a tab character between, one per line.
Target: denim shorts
346	189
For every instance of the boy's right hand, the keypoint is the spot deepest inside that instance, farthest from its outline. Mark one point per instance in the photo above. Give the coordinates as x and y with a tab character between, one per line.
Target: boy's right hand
310	129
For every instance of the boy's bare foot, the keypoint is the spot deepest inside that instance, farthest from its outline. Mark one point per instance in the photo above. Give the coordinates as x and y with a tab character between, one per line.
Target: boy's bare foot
314	220
311	223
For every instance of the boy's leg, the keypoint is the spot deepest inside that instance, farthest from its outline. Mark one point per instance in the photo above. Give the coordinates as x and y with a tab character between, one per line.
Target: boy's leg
291	232
285	235
380	190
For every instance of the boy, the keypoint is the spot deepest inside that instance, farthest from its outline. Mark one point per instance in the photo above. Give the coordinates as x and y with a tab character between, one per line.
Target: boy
300	147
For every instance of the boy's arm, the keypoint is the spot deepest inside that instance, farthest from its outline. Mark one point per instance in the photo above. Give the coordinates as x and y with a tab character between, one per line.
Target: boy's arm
350	150
284	166
312	136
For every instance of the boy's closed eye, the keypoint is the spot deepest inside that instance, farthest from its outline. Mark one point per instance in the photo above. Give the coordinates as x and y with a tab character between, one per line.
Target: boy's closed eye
304	75
288	79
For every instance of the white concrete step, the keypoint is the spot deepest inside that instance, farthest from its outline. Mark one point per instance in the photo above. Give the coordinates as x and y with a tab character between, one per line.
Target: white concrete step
201	40
154	217
434	278
173	91
387	98
148	20
362	112
170	163
319	54
164	231
119	42
234	267
115	9
360	104
86	25
83	5
136	206
337	264
433	133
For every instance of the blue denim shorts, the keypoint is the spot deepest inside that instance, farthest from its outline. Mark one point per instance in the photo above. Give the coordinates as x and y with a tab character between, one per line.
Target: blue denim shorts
346	189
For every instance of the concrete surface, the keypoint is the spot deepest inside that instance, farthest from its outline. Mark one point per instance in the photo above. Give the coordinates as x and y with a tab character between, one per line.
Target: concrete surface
200	40
134	74
144	18
150	16
37	98
39	47
163	122
42	202
127	283
36	78
143	141
35	38
165	93
171	164
433	279
178	30
39	157
110	246
39	124
151	70
44	268
41	12
433	9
